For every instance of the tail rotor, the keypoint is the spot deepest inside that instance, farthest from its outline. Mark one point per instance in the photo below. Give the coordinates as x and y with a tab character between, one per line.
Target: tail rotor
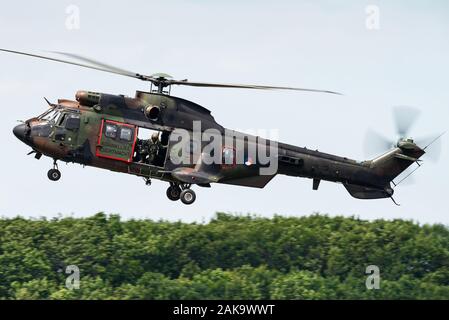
404	118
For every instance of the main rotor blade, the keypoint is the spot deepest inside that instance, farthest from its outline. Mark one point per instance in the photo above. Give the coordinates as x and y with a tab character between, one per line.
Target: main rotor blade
242	86
100	66
127	74
404	118
376	144
97	63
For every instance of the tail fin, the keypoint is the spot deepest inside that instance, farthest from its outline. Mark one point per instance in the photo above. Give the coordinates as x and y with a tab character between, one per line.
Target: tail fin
386	168
394	162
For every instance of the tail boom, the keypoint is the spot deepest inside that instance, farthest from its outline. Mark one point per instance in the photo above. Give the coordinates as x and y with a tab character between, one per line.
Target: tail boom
363	180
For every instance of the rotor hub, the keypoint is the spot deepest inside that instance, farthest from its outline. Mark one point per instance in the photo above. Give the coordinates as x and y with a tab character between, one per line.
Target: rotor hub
406	143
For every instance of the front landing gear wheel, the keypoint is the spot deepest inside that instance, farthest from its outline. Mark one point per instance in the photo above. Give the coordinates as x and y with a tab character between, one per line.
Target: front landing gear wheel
54	174
188	196
173	193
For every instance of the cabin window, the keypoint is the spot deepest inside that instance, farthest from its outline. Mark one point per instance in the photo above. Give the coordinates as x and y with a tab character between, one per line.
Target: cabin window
126	134
111	131
228	156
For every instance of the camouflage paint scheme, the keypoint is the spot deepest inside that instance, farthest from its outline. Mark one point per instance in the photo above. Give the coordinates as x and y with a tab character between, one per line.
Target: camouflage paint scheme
364	180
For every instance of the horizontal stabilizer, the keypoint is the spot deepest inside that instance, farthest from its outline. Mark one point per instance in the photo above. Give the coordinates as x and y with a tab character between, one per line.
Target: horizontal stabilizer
405	157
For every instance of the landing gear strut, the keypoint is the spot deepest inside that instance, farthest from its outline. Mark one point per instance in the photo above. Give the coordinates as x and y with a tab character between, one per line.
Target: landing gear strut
54	174
183	192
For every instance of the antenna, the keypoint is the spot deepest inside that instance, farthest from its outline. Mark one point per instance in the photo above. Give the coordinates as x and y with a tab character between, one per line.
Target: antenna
408	175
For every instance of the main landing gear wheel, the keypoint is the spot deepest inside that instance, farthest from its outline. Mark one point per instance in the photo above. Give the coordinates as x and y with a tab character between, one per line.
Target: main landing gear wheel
174	193
54	174
188	196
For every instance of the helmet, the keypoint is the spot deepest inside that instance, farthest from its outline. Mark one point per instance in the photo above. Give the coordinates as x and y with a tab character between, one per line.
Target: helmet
155	137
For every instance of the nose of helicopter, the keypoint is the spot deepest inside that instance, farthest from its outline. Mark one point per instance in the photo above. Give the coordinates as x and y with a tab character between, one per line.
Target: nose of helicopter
20	132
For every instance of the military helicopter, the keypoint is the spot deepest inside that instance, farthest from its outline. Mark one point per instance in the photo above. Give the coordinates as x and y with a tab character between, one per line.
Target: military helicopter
102	130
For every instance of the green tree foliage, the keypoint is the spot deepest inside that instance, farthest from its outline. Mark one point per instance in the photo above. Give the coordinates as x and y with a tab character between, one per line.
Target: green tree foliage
231	257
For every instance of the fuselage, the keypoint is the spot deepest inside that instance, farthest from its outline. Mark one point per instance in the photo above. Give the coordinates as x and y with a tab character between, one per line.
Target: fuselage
77	131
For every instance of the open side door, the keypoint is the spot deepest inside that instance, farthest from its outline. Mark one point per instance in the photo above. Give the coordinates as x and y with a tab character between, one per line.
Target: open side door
116	141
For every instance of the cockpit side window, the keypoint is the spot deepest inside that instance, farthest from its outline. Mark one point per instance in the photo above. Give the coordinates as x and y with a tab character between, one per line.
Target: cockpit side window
72	122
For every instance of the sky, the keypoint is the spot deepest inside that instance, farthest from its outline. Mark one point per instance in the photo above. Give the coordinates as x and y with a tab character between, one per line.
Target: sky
379	54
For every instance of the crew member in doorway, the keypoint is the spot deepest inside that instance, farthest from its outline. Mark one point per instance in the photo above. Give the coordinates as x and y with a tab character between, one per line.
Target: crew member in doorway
142	150
154	147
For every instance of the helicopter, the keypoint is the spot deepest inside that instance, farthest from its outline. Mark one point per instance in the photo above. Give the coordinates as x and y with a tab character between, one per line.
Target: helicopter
102	130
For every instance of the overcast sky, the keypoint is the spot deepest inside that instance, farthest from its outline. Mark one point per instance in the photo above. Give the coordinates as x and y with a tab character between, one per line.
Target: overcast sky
398	57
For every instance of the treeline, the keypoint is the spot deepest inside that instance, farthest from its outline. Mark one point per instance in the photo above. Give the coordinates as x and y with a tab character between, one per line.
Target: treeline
231	257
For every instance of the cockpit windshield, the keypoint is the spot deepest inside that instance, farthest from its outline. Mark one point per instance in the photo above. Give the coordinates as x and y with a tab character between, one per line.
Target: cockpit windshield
50	115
